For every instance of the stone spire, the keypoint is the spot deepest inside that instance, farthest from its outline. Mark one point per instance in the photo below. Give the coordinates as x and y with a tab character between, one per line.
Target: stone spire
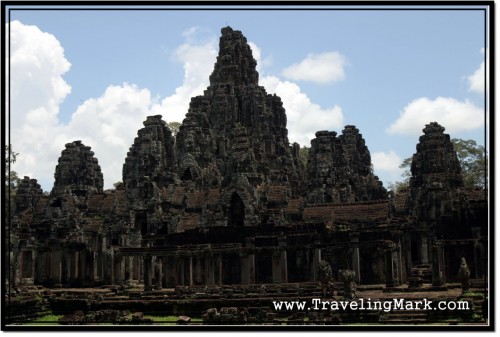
235	63
150	162
78	171
435	155
339	169
236	127
366	185
436	184
28	194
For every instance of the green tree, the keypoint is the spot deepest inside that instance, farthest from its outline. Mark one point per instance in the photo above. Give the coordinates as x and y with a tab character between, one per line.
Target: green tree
303	155
174	127
11	180
473	160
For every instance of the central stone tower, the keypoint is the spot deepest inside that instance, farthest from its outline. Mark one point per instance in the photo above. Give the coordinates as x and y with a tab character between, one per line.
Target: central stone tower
235	128
231	161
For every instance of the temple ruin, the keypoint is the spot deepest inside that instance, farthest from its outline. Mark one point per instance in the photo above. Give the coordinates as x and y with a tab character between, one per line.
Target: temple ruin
227	201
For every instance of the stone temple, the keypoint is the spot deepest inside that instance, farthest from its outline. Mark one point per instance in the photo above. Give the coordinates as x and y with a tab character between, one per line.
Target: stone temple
228	201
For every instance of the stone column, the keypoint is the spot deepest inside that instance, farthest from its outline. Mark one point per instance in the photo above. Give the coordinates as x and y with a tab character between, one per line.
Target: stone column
165	272
33	261
283	259
94	266
219	267
159	268
354	237
75	266
148	273
181	263
99	271
389	266
191	271
136	266
245	276
57	261
55	272
248	263
479	259
20	265
316	260
438	276
277	267
424	250
66	260
103	261
140	265
397	238
128	270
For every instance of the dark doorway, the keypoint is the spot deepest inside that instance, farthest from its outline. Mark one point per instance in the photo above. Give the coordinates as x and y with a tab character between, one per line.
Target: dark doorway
141	221
231	269
415	256
297	266
187	175
263	269
236	215
27	264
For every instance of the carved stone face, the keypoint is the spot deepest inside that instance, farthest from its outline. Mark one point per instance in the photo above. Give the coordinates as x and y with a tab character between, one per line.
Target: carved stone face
190	142
323	170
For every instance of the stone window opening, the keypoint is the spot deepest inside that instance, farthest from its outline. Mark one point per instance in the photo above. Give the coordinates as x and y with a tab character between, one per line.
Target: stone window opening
56	203
141	222
269	148
187	175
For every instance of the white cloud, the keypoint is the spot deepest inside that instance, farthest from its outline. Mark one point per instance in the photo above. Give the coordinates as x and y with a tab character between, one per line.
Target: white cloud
387	164
109	125
454	115
198	62
257	55
319	68
37	64
476	80
304	117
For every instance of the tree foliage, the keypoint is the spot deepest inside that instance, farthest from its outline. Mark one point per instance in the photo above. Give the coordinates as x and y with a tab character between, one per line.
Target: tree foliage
11	180
174	127
473	161
303	155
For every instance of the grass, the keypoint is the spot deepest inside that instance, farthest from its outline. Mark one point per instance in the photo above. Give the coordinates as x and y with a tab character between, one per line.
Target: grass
473	294
46	320
170	320
158	320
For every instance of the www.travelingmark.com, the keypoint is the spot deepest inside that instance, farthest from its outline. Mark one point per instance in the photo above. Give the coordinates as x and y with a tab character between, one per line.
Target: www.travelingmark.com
368	304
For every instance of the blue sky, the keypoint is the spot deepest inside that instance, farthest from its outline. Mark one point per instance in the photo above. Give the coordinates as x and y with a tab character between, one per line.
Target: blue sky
95	75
